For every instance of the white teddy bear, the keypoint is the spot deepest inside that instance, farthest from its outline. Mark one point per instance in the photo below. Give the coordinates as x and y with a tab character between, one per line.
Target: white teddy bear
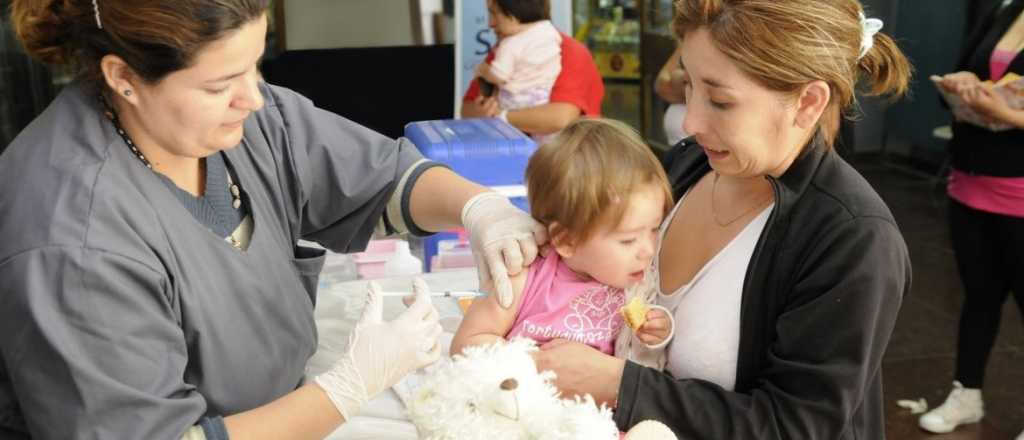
495	392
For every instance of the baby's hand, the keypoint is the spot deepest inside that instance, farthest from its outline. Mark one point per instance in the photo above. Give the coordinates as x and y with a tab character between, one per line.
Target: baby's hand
657	327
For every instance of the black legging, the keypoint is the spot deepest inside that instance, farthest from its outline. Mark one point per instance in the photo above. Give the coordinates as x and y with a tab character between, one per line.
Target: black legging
989	252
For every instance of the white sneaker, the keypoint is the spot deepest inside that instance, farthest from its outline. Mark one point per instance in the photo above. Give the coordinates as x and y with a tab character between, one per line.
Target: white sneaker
964	405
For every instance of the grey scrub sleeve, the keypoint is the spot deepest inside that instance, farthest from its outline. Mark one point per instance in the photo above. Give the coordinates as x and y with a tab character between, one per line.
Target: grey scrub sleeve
121	316
90	350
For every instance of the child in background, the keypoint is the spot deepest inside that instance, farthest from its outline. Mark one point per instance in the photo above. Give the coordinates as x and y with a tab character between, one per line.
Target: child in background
528	57
602	195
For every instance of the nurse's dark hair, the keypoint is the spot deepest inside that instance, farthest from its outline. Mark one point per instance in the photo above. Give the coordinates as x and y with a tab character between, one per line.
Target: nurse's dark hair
154	37
526	11
786	44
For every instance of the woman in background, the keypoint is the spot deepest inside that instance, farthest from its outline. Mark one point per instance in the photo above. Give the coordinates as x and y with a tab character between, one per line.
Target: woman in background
577	91
986	207
669	85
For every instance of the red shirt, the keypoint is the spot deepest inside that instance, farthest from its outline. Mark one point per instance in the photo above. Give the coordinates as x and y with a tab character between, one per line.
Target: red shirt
579	83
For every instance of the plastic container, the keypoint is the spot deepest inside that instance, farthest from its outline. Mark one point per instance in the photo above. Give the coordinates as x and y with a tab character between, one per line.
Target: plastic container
338	268
454	254
487	151
402	262
370	263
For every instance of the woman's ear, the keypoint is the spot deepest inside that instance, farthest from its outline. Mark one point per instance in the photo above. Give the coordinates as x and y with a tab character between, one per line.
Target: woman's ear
560	240
813	101
120	78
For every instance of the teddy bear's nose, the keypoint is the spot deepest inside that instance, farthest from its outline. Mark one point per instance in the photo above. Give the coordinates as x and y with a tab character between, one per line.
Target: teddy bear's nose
509	385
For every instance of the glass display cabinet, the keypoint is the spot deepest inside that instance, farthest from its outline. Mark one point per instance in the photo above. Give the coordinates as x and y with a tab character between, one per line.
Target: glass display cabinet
611	30
656	45
630	40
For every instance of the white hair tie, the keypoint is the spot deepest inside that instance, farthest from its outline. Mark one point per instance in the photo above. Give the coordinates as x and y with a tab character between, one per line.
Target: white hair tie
869	27
96	9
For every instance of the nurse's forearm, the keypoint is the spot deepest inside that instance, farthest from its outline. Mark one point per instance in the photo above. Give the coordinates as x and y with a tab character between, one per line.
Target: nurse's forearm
438	197
306	413
544	119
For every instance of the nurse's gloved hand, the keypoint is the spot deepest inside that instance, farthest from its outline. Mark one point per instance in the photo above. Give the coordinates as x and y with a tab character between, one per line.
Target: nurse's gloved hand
504	240
382	353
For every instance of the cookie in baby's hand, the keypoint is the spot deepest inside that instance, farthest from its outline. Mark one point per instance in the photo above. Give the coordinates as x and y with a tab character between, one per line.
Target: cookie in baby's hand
635	313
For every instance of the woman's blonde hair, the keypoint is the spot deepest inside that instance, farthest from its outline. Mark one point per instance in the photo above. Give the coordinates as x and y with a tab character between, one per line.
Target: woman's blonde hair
786	44
582	179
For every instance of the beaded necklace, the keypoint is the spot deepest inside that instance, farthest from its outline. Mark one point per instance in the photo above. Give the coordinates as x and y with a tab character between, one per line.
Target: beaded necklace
236	193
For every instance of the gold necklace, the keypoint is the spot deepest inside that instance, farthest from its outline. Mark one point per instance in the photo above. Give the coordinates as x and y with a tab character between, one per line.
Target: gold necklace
714	215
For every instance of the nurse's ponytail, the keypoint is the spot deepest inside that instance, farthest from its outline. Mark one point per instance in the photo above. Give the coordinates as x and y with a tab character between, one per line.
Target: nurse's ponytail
52	30
154	37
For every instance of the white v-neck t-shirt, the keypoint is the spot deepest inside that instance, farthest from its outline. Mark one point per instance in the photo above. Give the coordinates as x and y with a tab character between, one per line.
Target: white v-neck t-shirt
707	309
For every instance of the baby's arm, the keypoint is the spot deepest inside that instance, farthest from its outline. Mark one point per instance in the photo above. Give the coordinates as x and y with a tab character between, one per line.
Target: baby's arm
500	70
485	71
486	320
647	345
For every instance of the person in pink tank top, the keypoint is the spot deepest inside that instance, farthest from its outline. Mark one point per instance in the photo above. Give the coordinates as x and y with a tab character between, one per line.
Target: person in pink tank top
986	206
602	195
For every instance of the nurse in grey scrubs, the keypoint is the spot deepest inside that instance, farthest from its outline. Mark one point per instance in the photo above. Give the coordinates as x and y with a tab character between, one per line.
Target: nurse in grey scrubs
150	281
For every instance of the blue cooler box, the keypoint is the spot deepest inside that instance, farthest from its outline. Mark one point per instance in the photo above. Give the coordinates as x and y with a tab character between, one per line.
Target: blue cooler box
487	151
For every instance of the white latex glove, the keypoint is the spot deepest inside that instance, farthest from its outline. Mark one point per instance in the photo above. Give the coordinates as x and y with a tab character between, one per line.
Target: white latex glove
504	240
382	353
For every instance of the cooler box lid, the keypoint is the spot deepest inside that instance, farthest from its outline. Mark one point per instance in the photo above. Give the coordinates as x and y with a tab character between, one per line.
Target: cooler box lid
487	151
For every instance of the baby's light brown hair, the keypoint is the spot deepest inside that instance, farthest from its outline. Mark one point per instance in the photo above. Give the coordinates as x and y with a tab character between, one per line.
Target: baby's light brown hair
581	180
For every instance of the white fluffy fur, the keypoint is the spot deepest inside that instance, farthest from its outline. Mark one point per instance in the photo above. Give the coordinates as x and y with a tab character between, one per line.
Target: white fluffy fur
463	400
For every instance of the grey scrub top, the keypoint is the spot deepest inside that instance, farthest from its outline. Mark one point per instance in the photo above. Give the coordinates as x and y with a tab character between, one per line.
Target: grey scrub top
122	316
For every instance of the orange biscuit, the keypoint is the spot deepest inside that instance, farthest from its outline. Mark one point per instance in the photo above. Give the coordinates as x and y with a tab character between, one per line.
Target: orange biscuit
635	313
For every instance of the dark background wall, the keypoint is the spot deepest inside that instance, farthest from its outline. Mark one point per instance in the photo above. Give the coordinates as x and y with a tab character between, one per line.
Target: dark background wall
382	88
25	86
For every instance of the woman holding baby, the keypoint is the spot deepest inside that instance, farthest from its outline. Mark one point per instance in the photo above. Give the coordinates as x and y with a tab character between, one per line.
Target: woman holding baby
784	269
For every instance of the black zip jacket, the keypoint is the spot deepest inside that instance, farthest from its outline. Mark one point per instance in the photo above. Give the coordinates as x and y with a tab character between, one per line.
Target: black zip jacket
978	150
820	300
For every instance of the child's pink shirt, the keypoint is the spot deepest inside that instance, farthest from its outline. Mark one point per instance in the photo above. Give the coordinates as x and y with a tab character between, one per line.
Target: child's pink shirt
559	304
